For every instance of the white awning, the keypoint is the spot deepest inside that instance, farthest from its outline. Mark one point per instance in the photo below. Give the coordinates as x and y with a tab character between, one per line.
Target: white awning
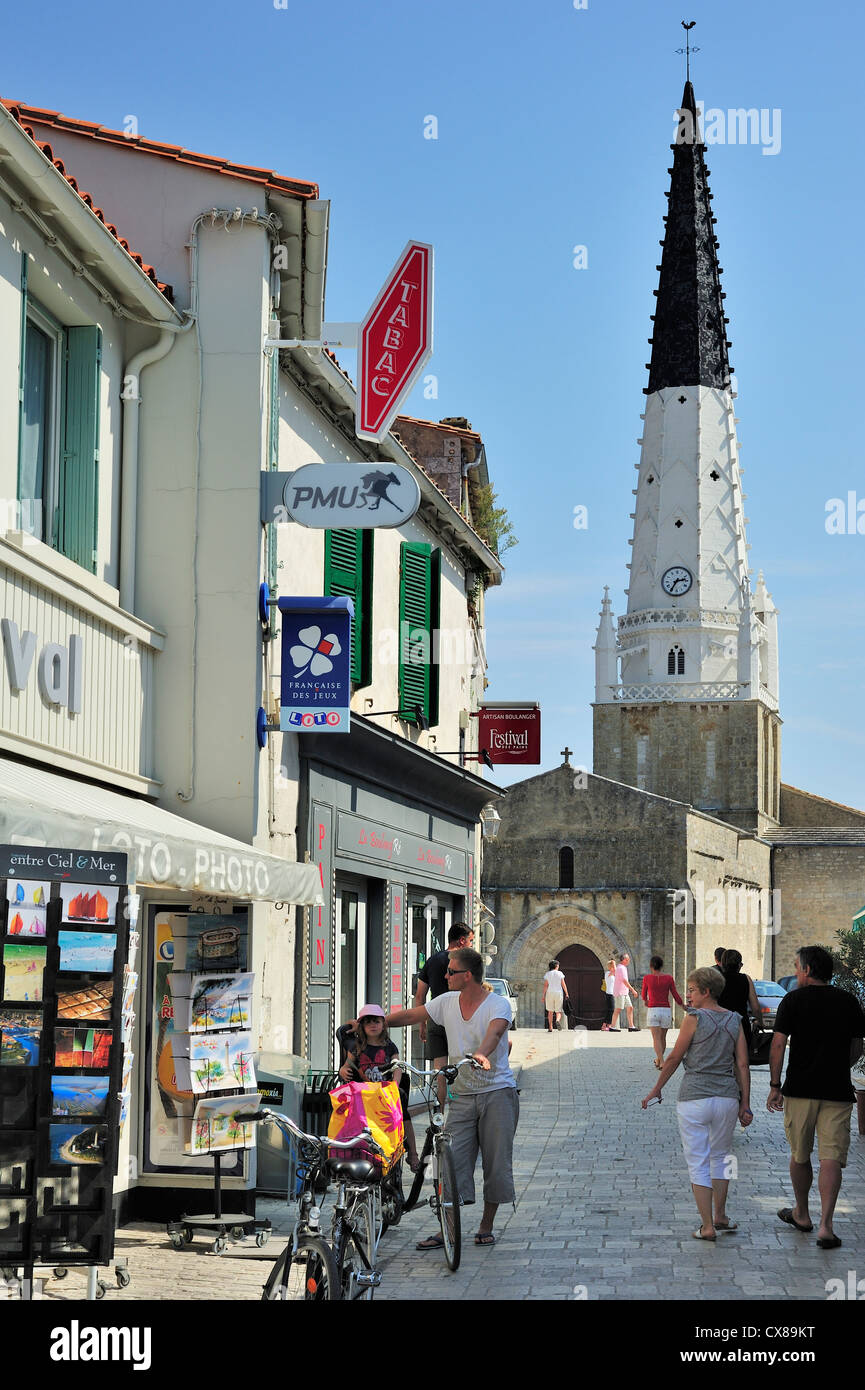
165	850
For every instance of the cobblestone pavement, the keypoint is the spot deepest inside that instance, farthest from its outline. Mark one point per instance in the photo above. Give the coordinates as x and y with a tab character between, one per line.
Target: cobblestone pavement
604	1209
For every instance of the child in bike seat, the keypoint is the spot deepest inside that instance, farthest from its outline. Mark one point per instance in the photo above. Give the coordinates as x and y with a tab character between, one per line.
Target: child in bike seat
369	1056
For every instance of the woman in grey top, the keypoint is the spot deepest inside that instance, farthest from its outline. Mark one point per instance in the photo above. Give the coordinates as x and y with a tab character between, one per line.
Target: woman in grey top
715	1092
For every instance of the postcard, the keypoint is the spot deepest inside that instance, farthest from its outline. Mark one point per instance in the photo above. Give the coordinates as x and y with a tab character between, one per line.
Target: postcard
23	965
218	1124
26	921
28	892
212	1061
88	951
82	1047
130	985
72	1096
202	1002
134	942
126	1077
88	904
90	1003
76	1143
203	942
20	1032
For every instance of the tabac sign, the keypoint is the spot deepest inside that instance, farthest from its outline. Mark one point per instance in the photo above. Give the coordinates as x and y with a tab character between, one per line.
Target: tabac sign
394	341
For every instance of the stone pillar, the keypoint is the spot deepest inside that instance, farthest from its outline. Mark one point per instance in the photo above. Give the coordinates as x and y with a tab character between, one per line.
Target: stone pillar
645	933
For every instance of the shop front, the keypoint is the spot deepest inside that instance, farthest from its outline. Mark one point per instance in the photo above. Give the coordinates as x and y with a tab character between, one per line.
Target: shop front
393	832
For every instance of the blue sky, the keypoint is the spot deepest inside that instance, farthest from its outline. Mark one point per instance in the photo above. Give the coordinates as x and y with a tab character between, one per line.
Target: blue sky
553	132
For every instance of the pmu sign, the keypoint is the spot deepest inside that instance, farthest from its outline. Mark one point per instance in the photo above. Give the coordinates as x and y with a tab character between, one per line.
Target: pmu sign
394	341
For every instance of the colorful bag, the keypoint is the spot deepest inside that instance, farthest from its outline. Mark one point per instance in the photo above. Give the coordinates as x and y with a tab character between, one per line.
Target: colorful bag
372	1105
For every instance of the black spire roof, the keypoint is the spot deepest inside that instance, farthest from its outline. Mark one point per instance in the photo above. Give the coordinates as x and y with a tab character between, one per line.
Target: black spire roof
689	344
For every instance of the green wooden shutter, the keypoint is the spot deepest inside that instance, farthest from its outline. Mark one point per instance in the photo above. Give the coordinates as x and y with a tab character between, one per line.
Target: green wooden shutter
79	461
348	571
415	626
435	621
23	349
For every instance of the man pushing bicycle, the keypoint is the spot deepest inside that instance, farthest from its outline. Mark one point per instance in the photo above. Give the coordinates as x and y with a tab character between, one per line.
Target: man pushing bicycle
485	1109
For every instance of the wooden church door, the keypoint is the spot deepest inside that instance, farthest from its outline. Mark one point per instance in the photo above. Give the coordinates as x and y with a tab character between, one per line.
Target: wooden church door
583	974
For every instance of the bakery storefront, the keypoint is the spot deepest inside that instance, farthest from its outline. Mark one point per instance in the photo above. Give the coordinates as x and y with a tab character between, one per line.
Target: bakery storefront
393	832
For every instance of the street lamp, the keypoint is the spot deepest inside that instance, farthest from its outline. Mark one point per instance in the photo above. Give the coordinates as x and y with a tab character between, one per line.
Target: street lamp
490	822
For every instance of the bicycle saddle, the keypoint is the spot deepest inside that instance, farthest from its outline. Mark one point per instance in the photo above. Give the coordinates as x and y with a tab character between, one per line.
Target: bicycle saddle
354	1169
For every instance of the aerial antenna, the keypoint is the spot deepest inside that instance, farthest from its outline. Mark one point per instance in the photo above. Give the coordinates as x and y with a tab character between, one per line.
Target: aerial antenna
688	50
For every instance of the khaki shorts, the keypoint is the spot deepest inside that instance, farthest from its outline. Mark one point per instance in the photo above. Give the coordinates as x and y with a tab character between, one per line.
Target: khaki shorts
831	1120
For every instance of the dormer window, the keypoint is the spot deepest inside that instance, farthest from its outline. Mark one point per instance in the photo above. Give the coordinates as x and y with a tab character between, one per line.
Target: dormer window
675	661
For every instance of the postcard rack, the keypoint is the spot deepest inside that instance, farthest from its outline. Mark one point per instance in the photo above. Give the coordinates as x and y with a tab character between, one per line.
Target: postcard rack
64	974
213	1061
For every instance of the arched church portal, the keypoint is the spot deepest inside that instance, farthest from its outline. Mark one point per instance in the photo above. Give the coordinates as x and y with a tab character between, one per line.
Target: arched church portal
584	973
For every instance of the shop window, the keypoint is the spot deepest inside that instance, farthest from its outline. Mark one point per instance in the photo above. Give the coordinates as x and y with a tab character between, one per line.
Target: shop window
566	867
419	620
58	439
348	573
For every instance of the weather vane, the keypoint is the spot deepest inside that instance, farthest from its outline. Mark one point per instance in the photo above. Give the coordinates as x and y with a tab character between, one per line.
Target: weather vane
688	50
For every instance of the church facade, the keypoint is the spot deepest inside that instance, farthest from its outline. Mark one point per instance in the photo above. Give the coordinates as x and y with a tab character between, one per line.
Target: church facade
684	837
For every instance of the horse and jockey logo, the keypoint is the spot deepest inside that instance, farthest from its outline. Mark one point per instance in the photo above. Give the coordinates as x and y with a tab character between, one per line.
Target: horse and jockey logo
375	487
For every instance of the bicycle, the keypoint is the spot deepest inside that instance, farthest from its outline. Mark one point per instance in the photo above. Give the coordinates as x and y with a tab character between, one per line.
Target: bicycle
308	1269
436	1154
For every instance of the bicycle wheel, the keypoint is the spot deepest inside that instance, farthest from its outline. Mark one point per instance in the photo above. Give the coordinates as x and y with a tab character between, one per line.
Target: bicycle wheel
353	1251
418	1179
392	1199
305	1272
448	1203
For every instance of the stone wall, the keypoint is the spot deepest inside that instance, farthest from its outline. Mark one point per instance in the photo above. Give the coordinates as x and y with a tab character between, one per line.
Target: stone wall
821	886
800	808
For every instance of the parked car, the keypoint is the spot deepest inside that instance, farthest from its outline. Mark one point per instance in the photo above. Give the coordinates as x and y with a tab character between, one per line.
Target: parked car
503	988
787	982
769	996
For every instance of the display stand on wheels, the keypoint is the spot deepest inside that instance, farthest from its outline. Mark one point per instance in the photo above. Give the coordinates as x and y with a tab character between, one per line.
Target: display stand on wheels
67	990
212	1055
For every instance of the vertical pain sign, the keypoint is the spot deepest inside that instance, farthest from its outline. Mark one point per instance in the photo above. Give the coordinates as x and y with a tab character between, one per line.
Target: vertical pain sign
321	934
394	341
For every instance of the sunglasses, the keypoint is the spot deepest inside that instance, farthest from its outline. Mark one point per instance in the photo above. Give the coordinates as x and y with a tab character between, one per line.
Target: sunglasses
456	972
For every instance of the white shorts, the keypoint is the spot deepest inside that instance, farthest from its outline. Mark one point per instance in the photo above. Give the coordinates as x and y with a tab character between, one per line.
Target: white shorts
554	1003
659	1018
706	1127
621	1000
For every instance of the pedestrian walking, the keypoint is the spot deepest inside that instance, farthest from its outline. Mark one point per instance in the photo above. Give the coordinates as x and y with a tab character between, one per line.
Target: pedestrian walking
622	987
609	983
483	1115
555	993
433	980
655	993
738	992
825	1026
715	1092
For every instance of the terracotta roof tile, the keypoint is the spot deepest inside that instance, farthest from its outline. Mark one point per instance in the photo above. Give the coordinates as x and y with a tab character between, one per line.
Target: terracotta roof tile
18	113
278	183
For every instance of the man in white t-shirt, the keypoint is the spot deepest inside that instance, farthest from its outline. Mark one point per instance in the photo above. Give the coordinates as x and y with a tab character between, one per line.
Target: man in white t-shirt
485	1108
555	993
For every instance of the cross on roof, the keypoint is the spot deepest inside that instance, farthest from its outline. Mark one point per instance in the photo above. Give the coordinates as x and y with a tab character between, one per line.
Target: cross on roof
566	754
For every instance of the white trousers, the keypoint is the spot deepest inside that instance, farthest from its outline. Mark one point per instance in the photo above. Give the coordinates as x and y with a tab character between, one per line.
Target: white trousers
706	1127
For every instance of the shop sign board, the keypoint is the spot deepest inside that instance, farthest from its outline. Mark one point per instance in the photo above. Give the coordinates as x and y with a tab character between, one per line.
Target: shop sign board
510	735
315	686
397	946
84	866
325	495
415	855
394	341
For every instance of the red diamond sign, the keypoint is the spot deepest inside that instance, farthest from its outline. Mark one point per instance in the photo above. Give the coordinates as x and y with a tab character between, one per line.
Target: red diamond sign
394	341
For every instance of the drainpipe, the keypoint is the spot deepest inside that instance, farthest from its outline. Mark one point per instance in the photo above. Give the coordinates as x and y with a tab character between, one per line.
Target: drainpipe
131	397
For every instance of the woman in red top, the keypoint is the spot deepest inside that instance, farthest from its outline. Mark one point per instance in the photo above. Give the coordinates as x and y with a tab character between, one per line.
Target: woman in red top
655	993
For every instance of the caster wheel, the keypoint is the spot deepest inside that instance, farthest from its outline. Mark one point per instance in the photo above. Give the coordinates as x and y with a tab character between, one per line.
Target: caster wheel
219	1245
237	1232
101	1289
188	1235
260	1238
124	1278
177	1242
60	1273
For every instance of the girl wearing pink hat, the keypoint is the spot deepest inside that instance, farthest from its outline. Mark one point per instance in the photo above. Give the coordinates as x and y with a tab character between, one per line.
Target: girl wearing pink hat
370	1056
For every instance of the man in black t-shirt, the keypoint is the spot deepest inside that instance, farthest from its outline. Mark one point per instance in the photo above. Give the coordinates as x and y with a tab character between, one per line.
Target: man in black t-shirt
433	980
826	1027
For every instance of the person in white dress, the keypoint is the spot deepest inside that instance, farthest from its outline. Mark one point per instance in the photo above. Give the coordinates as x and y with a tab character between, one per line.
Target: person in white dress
555	993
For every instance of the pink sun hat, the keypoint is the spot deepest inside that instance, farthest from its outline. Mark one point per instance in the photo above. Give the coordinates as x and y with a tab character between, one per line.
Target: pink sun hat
371	1011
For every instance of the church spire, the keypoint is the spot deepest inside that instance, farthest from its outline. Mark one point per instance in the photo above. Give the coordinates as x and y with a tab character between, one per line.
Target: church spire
689	343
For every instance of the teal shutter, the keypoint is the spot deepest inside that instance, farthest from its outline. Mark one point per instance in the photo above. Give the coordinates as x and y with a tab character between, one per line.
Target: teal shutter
79	459
415	627
348	572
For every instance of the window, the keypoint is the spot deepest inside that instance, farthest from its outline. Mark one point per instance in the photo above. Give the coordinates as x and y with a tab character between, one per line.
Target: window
58	438
675	662
419	619
566	867
348	573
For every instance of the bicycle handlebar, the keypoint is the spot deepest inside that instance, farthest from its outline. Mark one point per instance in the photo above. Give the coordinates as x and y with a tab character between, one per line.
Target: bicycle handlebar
320	1141
448	1071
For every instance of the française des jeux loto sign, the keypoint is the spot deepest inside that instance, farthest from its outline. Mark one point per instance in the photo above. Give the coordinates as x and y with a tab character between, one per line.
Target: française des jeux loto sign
394	341
315	682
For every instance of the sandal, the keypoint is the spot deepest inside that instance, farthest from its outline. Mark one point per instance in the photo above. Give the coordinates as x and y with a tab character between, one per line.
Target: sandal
786	1215
698	1235
658	1064
485	1238
431	1243
727	1225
